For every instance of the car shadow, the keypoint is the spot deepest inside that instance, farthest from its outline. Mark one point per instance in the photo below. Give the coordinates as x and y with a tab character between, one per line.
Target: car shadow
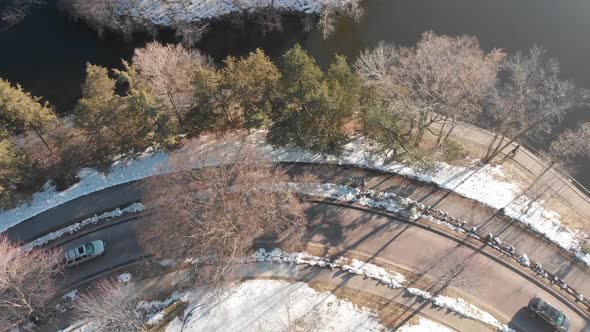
523	321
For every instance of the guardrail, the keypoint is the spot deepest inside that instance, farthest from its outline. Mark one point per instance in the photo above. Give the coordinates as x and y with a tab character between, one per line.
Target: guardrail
506	249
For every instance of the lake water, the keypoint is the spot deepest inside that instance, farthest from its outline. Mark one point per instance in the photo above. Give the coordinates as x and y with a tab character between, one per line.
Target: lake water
47	53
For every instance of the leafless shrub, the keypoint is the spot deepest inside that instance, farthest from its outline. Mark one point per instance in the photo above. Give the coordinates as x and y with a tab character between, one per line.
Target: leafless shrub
189	33
268	19
112	307
16	10
26	282
562	152
101	15
216	214
308	22
329	14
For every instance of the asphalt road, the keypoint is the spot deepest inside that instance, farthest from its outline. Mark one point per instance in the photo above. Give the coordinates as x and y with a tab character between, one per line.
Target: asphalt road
489	283
554	259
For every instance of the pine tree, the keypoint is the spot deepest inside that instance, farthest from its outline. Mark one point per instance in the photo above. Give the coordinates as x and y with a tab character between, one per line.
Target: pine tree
116	125
300	75
252	81
315	106
14	167
95	113
21	113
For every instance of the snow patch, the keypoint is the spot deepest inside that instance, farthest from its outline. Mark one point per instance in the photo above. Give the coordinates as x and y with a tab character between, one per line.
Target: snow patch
71	295
482	183
153	309
524	260
133	208
167	262
424	325
124	277
272	305
374	272
394	280
166	13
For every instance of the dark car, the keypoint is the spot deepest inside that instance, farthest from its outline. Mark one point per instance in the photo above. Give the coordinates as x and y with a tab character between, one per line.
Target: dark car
550	314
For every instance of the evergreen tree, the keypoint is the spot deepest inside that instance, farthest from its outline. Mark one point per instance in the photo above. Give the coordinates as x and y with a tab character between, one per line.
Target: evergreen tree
252	82
116	125
21	113
236	96
145	111
315	106
300	75
207	111
14	169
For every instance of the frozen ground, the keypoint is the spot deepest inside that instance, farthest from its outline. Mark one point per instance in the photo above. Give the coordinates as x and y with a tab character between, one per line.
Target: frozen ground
167	12
484	184
124	277
271	305
393	280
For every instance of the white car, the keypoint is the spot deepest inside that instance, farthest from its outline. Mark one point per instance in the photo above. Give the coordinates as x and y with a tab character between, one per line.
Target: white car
84	252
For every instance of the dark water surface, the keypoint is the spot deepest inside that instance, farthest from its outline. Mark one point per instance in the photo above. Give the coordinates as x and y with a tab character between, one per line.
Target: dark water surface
47	53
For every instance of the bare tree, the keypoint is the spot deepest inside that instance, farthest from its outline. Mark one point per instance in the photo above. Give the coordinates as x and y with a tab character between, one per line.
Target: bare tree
26	282
269	19
449	271
441	79
327	21
569	145
529	102
215	214
190	33
102	15
111	306
329	15
15	11
169	70
562	152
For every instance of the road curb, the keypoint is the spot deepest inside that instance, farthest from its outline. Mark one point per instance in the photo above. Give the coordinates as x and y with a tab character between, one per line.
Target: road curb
482	248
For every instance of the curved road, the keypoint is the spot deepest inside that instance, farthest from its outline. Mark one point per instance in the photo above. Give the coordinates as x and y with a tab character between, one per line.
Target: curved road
491	284
554	259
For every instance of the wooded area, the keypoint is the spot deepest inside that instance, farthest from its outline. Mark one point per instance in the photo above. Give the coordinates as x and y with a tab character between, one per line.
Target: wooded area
393	95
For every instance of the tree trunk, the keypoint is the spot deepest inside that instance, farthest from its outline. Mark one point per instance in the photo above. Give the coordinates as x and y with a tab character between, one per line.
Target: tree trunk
38	133
446	137
440	134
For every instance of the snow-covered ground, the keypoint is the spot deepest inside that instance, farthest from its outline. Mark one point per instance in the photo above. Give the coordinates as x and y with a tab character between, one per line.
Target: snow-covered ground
393	280
167	12
124	277
272	305
277	305
484	184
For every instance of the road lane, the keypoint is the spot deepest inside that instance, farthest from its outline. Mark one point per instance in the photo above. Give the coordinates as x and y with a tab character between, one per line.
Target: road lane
122	246
494	286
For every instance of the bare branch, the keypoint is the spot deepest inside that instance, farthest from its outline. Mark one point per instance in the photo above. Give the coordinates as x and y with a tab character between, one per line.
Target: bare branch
216	214
26	282
111	307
